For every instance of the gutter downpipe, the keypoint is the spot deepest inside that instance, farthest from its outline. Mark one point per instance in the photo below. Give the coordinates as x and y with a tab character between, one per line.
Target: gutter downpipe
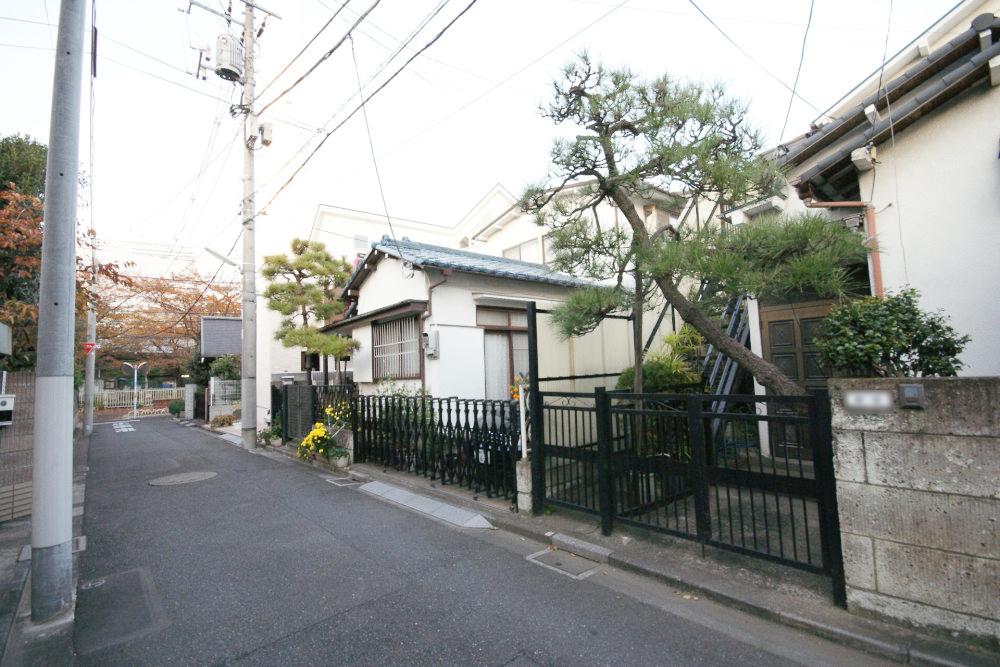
874	257
423	318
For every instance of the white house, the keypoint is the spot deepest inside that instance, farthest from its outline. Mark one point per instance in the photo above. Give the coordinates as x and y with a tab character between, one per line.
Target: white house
914	164
453	323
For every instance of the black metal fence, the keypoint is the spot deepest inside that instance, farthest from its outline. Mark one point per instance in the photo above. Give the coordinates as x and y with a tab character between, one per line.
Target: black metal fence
756	478
467	442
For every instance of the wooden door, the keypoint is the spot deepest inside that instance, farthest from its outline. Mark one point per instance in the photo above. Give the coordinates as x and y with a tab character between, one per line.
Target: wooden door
788	332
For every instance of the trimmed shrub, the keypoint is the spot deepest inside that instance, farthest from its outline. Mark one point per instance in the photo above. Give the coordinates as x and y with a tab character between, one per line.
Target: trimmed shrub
222	420
890	337
176	407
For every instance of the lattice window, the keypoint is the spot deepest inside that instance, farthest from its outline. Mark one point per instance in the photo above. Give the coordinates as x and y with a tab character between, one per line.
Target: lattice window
396	349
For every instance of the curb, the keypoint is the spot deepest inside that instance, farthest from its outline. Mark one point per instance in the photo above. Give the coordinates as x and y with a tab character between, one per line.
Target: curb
874	637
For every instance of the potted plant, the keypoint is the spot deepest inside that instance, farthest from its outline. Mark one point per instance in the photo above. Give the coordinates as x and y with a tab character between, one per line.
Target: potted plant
320	446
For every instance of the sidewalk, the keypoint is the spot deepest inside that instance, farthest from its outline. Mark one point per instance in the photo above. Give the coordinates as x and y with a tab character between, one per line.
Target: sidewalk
22	642
774	592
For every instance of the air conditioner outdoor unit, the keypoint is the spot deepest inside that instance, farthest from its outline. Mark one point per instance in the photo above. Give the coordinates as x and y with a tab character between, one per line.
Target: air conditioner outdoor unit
229	58
6	409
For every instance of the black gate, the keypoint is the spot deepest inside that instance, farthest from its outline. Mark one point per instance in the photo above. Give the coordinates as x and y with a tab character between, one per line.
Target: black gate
200	404
670	463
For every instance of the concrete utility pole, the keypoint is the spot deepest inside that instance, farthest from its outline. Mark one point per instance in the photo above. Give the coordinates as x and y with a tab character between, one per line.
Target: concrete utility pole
248	358
52	459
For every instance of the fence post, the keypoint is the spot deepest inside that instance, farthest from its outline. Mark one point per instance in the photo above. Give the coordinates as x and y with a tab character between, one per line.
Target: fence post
284	414
605	495
698	468
537	422
821	438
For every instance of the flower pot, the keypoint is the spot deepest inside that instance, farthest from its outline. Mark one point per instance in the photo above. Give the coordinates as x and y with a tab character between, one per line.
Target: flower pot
340	462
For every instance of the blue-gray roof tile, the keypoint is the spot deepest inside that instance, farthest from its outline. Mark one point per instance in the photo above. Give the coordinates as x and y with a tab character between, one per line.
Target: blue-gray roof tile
439	257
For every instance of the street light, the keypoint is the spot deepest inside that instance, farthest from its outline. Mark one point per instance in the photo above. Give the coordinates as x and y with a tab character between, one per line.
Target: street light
135	386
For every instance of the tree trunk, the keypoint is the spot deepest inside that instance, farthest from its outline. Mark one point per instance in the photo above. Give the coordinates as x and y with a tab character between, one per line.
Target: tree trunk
309	361
766	373
326	370
637	335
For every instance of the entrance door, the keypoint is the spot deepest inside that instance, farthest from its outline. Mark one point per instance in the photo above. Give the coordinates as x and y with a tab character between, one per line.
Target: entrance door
787	336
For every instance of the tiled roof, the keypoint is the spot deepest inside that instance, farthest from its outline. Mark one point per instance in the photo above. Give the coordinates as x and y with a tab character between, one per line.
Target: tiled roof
439	257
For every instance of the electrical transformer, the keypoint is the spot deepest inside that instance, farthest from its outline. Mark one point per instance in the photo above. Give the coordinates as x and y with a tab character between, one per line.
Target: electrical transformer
229	58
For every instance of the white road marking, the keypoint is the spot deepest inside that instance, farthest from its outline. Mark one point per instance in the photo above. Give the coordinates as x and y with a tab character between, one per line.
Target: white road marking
123	427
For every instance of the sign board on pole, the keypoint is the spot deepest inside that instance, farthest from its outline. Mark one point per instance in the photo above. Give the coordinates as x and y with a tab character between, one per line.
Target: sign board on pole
87	347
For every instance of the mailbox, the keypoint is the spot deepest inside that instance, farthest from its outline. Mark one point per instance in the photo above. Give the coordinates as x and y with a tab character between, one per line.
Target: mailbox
6	409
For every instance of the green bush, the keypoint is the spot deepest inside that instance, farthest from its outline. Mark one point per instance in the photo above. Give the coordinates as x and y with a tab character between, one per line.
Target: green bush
226	367
176	407
222	420
673	366
890	337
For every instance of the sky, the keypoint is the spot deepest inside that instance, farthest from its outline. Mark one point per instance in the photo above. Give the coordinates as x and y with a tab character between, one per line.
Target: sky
462	117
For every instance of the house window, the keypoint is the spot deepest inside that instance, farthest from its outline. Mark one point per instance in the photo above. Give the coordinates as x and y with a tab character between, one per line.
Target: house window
506	348
529	251
396	349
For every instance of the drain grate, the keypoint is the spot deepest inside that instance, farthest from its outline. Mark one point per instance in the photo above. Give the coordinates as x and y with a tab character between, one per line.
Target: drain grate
181	478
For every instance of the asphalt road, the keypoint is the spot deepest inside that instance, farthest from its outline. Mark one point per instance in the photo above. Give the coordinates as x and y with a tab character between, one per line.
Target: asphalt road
267	563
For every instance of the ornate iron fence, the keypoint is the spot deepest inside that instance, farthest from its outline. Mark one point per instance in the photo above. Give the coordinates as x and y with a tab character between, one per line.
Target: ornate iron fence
756	477
467	442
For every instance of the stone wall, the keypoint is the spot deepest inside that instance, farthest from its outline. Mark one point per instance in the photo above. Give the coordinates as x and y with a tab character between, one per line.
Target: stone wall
919	498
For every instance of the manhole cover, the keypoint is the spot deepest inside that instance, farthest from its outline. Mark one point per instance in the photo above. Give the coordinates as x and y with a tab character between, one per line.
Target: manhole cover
565	563
182	478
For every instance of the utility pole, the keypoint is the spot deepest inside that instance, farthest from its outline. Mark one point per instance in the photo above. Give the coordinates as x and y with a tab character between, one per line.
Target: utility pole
248	358
52	457
88	372
135	386
252	133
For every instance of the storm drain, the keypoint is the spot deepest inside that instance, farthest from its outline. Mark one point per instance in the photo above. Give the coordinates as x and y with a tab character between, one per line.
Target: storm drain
181	478
564	562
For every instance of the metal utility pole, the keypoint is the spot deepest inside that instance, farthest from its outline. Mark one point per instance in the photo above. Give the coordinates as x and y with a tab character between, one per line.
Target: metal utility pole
135	386
88	372
52	458
248	358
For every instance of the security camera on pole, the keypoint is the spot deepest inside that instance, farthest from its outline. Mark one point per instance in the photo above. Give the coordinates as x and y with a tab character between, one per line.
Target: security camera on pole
234	61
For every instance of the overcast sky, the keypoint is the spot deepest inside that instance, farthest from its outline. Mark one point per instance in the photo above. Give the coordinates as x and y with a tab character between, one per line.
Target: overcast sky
458	120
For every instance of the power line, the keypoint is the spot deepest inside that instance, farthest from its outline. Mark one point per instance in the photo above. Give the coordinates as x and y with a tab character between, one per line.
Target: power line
321	59
750	57
798	71
371	78
364	101
371	145
303	49
514	74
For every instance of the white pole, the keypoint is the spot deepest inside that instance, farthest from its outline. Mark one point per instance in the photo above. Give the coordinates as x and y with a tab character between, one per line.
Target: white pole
88	374
135	392
52	456
248	358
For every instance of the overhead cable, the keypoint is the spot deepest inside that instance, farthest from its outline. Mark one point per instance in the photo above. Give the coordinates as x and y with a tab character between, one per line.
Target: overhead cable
322	58
381	87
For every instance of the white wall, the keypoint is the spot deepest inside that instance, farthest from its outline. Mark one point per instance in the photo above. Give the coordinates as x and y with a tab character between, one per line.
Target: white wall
389	283
937	194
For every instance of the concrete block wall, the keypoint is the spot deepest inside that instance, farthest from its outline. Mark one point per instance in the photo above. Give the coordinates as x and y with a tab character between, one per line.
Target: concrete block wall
919	499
